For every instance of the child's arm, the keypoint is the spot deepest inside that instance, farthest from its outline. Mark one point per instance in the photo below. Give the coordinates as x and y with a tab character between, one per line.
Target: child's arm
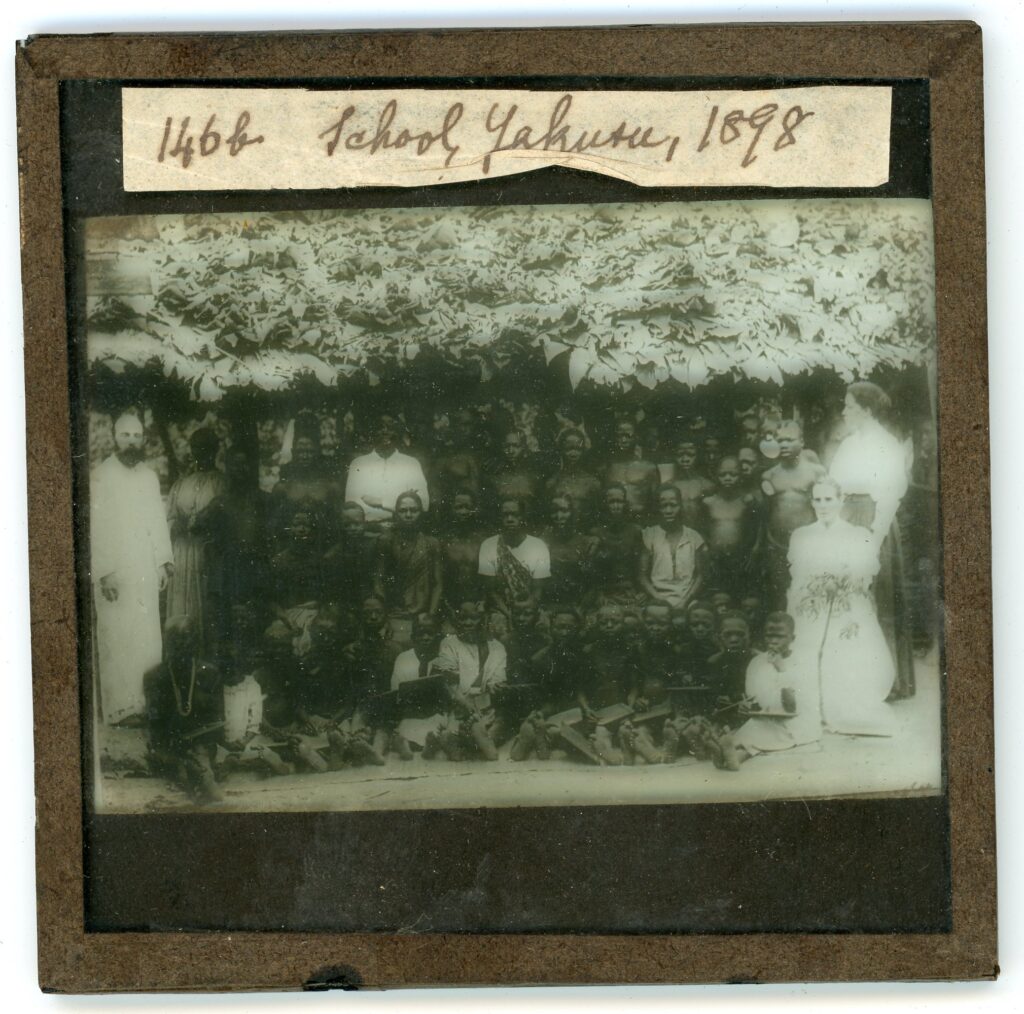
700	565
436	580
644	573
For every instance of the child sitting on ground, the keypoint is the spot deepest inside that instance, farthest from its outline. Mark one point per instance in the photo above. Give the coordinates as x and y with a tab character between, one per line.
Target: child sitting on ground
604	679
416	663
700	643
727	670
476	664
778	686
556	670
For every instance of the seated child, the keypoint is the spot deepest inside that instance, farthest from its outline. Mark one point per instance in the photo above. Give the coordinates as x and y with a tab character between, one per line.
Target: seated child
605	678
369	661
556	669
700	643
655	669
416	663
525	641
727	669
721	602
777	685
477	664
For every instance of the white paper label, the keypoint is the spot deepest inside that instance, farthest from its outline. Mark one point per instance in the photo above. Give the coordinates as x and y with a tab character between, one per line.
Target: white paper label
291	138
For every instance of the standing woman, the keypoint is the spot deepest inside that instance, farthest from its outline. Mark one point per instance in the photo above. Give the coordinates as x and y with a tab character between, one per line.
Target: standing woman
192	524
870	465
838	637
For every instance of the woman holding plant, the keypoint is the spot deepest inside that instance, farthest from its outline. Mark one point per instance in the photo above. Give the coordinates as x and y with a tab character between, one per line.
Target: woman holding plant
832	565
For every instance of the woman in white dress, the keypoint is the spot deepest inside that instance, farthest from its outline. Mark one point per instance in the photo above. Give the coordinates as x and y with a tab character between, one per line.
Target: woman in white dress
832	564
871	466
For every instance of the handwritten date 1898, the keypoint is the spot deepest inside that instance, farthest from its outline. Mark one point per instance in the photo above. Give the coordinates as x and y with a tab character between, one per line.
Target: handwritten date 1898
733	122
209	140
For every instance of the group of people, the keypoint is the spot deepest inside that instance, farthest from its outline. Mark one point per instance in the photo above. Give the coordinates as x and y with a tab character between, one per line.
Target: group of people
736	597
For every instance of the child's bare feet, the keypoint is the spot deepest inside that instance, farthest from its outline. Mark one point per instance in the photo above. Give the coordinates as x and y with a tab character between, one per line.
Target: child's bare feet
727	756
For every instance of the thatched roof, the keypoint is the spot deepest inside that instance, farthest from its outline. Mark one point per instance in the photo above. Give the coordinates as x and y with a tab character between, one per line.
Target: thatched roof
630	293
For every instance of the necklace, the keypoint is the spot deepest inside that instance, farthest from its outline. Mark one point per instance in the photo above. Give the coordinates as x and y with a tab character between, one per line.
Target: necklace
185	710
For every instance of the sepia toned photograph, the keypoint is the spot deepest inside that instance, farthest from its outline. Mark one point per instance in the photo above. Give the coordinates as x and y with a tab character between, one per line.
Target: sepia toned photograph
546	505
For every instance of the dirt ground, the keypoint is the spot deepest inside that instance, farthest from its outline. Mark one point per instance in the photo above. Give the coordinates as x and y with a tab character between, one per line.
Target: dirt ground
907	763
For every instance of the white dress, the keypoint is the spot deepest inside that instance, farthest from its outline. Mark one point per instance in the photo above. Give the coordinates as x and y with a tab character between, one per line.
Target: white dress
129	543
837	630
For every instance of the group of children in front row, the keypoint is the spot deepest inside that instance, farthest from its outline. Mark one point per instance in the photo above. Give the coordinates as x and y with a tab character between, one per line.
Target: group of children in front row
619	686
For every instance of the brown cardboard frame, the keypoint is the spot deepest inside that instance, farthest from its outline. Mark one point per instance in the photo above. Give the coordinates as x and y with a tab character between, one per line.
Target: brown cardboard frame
949	55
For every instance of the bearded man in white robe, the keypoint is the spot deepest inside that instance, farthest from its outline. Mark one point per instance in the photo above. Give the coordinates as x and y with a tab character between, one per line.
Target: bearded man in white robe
130	561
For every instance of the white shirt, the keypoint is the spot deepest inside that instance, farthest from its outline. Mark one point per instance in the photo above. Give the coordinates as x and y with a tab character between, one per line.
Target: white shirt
407	667
384	479
455	655
532	553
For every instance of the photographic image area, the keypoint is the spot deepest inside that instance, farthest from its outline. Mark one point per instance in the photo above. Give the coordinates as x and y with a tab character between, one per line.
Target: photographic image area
510	506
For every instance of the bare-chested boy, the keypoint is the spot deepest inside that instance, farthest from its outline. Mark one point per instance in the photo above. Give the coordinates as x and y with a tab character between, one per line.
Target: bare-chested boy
460	550
457	465
750	472
731	527
641	478
692	483
787	489
515	477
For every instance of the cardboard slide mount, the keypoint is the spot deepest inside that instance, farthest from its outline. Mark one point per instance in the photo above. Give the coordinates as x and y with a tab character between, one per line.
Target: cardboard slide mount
930	913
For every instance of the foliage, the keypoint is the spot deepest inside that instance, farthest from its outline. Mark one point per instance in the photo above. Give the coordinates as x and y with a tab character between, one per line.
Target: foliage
630	294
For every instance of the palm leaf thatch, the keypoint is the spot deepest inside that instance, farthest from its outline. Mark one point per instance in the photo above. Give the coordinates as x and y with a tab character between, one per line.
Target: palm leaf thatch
628	294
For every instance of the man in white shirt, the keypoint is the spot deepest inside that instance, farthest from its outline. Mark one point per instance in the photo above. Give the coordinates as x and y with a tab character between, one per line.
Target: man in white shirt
130	561
377	479
513	563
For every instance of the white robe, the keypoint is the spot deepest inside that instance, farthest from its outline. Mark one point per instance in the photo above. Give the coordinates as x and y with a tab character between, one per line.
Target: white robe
129	543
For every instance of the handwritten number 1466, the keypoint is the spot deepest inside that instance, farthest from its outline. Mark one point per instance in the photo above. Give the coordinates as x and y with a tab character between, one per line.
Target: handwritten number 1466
733	123
209	140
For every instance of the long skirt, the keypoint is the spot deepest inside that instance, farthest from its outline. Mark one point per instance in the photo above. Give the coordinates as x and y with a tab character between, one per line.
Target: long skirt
186	588
892	601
